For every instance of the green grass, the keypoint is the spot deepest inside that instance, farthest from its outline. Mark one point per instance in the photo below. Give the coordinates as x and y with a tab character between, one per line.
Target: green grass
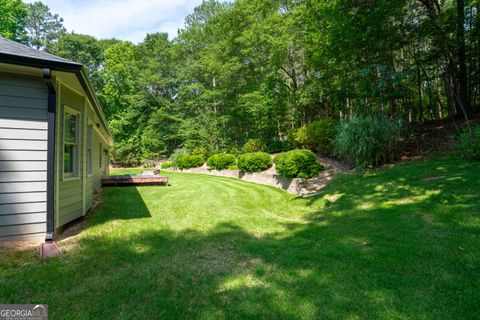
400	243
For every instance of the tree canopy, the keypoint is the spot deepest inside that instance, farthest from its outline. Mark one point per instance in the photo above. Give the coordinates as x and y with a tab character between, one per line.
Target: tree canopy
260	69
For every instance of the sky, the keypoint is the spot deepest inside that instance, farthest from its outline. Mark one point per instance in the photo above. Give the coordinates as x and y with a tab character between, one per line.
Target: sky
122	19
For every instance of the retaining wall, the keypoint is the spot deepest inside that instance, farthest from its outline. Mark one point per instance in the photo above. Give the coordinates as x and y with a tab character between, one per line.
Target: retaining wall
292	186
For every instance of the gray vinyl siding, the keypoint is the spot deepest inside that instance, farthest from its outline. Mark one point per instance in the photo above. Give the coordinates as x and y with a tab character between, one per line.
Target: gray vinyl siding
23	157
70	198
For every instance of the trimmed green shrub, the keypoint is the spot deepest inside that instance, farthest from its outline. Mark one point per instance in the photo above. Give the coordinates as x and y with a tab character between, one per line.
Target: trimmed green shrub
254	162
166	165
298	164
233	167
367	141
253	145
317	136
277	146
199	151
190	161
221	161
177	153
470	144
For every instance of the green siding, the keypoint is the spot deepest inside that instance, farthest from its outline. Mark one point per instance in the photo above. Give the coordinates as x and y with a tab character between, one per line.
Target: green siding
75	196
70	191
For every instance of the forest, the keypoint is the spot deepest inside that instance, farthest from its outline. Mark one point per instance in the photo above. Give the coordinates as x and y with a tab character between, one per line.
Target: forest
274	73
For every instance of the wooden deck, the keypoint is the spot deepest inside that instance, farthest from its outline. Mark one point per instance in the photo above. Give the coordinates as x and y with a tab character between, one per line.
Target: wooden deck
127	180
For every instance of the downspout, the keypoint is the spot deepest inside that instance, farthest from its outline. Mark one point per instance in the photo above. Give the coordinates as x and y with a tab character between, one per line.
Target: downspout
52	103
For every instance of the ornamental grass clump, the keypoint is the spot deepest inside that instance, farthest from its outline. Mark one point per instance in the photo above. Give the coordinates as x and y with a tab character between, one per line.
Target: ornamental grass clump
368	141
470	144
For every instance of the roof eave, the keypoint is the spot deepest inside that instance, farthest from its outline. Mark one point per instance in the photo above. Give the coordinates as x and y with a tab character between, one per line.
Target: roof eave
40	63
87	86
76	68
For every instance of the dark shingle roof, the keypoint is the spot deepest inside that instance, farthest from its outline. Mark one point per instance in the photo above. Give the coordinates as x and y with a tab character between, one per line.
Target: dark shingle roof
11	48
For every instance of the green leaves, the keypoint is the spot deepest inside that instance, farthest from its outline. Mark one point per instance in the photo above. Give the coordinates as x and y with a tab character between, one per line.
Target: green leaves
43	27
12	19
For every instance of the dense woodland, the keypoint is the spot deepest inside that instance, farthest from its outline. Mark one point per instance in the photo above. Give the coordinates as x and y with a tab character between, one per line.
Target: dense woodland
256	69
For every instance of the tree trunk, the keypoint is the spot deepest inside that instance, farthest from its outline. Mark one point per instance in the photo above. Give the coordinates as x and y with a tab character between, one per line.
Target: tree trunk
463	98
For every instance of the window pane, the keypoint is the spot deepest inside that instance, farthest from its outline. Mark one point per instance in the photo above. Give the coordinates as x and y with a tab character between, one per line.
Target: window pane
89	136
89	161
70	128
89	150
68	159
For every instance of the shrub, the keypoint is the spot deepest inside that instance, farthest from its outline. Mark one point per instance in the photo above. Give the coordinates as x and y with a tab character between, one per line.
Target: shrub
221	161
234	150
279	146
166	165
190	161
254	162
253	145
470	144
317	136
298	164
367	141
233	167
176	154
199	151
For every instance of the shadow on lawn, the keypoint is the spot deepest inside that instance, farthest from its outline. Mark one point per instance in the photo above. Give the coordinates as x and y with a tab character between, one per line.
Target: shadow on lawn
124	203
346	262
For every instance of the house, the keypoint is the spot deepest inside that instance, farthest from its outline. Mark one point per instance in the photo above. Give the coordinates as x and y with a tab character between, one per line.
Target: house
54	142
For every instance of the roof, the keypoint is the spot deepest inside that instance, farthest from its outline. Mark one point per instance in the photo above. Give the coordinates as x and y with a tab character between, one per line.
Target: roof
14	49
15	53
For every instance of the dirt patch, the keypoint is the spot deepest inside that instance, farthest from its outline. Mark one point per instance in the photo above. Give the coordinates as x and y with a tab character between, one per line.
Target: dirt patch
332	168
434	137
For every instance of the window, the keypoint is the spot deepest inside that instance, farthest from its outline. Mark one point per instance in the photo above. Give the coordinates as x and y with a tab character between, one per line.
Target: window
89	150
100	155
70	141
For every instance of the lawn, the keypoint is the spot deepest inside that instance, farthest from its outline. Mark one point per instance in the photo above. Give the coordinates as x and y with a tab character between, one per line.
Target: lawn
399	243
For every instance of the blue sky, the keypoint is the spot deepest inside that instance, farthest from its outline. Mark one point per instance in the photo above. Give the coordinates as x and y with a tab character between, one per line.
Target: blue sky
122	19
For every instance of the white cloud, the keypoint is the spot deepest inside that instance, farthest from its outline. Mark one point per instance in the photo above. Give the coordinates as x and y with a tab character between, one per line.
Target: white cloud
122	19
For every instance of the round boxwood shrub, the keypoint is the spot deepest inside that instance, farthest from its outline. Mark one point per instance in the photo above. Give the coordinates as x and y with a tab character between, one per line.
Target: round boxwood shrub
470	144
253	145
166	165
298	164
190	161
254	162
221	161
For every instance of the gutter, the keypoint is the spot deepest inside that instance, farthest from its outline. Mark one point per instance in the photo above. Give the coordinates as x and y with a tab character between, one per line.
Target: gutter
52	104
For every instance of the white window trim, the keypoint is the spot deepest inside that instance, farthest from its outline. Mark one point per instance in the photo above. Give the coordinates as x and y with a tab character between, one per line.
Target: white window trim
89	165
76	174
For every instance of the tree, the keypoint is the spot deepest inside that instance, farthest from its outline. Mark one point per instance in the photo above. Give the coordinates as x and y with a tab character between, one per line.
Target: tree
43	28
83	49
12	19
